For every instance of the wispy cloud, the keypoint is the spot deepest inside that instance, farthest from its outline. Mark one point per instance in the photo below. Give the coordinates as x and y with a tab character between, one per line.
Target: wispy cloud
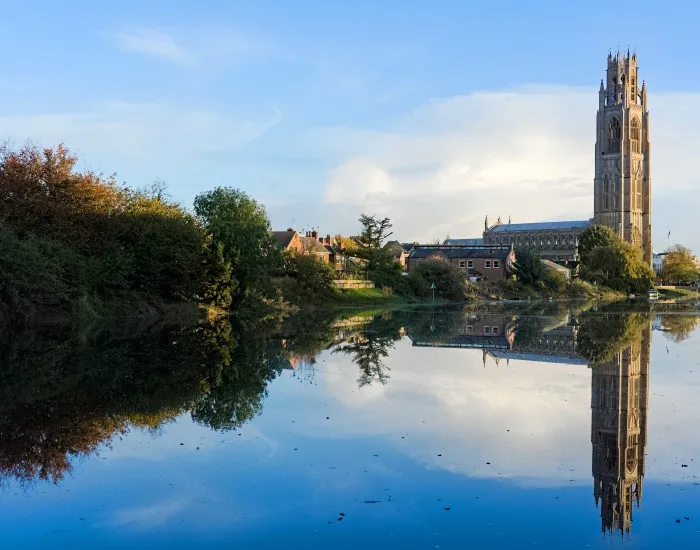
215	47
154	43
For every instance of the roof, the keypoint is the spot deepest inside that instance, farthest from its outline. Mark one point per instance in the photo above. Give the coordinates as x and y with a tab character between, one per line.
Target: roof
329	249
465	242
459	252
408	246
283	238
553	265
312	244
540	226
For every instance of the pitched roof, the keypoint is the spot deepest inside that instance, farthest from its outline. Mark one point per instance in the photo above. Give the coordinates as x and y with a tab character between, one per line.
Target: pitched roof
408	246
283	238
465	242
540	226
459	252
312	244
552	265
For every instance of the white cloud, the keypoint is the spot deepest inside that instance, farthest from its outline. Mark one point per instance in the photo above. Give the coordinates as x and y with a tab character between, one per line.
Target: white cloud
154	43
527	153
199	48
158	133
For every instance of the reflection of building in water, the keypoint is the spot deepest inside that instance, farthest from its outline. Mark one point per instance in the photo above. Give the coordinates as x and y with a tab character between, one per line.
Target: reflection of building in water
476	331
619	400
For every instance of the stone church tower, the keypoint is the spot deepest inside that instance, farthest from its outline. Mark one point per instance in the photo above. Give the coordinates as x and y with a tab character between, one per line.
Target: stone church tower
619	403
622	185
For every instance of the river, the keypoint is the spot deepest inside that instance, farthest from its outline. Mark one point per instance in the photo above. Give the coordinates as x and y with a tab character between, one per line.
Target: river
530	426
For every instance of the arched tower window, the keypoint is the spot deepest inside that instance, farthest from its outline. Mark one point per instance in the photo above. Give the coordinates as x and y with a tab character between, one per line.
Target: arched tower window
606	191
635	135
613	136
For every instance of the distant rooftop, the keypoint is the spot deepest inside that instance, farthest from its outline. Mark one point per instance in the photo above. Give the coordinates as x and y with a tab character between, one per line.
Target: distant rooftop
459	252
283	238
540	226
465	242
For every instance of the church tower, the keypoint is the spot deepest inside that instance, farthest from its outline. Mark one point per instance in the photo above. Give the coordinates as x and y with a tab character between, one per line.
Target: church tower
619	403
622	184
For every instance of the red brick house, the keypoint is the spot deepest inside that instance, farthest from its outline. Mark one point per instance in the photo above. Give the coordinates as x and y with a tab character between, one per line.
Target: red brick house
492	262
289	240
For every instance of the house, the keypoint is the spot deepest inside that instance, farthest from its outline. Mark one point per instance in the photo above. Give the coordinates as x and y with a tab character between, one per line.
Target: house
312	245
565	271
288	240
478	262
399	252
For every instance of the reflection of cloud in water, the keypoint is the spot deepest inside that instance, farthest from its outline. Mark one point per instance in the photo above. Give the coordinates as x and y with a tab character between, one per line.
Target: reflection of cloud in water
146	517
448	403
531	421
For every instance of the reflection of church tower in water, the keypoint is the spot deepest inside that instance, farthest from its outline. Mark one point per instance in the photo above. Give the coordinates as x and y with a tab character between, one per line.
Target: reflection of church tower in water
619	400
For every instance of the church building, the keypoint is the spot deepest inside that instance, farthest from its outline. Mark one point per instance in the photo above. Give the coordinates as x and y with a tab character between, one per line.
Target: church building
622	180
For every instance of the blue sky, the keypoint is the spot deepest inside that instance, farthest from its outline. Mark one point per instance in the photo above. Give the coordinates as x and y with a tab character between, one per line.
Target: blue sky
433	113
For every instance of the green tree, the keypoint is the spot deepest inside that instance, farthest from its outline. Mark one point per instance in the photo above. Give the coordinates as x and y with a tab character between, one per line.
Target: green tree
528	266
370	247
619	266
594	237
241	225
449	280
680	266
305	279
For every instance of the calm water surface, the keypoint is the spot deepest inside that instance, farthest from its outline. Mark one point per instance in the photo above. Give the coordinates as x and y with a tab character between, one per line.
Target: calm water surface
544	428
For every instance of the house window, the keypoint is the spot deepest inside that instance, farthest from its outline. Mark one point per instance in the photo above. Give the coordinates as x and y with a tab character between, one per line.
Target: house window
470	263
487	264
462	263
496	264
487	330
494	330
470	329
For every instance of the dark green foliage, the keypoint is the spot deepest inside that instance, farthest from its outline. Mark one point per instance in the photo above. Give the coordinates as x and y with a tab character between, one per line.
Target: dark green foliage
528	266
71	238
306	280
594	237
601	336
449	279
609	261
240	224
380	261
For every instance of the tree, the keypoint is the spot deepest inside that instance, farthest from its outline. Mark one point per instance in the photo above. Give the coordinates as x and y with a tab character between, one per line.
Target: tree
305	279
619	266
380	266
609	260
594	237
528	266
240	224
680	266
449	280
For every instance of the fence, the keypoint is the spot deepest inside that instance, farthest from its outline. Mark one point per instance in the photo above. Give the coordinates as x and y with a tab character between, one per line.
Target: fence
353	283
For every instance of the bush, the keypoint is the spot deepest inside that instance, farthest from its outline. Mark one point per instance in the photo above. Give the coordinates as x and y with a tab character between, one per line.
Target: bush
71	238
554	280
305	279
449	280
528	266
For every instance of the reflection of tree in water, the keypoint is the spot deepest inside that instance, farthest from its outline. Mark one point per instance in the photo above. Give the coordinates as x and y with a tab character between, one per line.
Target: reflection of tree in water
600	336
370	347
678	327
65	393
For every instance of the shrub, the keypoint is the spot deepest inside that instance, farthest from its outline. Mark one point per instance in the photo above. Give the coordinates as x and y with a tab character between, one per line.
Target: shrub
449	280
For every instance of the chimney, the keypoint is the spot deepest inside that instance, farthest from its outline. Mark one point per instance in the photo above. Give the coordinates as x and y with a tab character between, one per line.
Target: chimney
314	234
290	230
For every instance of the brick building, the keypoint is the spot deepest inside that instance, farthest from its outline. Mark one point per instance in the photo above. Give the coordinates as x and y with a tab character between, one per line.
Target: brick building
478	262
